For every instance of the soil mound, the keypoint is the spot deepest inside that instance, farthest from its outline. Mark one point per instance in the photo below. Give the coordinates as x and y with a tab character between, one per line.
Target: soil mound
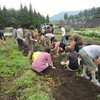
71	87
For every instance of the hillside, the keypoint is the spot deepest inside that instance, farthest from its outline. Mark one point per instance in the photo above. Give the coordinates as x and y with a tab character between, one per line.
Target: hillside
60	15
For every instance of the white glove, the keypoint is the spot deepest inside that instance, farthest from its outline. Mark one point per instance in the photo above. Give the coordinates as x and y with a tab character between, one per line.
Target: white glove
57	54
23	39
68	46
51	49
4	42
62	63
53	67
35	40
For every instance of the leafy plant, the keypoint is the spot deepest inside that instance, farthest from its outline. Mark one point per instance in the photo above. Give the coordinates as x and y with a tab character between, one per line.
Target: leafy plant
98	96
18	78
38	96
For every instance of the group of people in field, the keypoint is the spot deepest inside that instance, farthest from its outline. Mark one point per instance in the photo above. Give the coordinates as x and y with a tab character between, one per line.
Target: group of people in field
75	51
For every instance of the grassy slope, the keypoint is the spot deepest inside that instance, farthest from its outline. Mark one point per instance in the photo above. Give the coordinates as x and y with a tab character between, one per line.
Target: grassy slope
17	76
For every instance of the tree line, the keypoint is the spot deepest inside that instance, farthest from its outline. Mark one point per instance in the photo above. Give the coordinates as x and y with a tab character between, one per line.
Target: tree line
23	17
84	15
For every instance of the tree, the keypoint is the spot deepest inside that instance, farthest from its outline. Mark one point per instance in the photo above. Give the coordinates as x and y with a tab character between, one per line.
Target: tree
47	19
0	17
31	15
23	17
65	16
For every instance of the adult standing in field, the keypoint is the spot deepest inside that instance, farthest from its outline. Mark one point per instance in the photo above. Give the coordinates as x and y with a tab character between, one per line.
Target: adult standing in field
52	31
43	61
39	35
2	37
52	28
20	38
63	38
15	33
29	40
88	55
49	35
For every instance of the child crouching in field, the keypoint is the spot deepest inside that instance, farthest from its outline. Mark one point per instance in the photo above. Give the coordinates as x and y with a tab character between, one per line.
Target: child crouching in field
58	46
71	60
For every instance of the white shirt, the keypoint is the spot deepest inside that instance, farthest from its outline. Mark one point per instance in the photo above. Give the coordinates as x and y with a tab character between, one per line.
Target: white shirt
63	31
19	33
93	51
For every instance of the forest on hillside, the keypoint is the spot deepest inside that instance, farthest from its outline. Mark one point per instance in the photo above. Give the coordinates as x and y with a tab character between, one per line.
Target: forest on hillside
83	15
88	18
24	17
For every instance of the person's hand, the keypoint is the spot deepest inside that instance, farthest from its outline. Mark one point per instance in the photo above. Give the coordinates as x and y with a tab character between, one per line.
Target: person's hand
51	49
23	39
35	40
53	67
68	46
62	63
4	42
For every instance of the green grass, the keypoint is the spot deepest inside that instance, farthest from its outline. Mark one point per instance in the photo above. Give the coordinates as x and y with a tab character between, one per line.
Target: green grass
15	69
98	96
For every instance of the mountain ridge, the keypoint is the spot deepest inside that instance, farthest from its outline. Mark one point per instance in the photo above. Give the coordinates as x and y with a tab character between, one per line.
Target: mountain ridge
60	16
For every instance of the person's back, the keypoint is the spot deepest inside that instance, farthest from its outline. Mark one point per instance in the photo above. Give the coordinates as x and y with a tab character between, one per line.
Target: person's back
27	37
76	37
2	38
40	62
19	33
35	55
72	57
92	50
1	35
71	61
15	33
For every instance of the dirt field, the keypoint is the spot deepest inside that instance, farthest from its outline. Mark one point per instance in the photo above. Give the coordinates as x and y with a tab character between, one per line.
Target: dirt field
66	85
72	87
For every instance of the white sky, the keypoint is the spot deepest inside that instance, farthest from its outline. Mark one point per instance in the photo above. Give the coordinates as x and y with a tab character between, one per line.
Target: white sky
51	7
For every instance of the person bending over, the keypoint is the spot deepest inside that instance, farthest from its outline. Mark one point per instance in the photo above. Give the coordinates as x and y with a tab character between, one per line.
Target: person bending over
88	55
58	46
71	60
43	61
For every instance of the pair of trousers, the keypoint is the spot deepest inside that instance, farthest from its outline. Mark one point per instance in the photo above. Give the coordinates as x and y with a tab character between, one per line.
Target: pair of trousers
63	40
20	44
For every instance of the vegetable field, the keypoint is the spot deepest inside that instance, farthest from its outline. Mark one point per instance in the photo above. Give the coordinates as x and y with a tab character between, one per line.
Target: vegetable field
19	82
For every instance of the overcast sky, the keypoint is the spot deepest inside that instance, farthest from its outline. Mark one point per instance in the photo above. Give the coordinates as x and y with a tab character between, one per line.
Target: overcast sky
51	7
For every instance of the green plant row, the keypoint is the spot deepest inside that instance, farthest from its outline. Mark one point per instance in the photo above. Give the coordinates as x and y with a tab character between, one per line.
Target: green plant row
89	33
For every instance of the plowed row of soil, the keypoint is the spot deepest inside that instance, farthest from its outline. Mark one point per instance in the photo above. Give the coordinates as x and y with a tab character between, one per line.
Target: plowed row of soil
69	86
